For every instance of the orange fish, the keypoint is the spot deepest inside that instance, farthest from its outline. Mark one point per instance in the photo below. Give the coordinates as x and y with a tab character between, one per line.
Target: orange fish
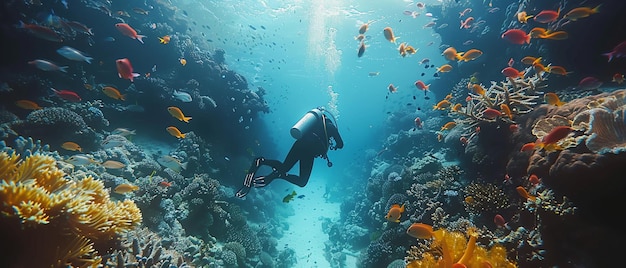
183	61
178	114
395	212
478	89
28	105
529	60
420	231
125	188
113	93
126	30
506	110
448	126
552	99
164	40
538	32
175	132
471	54
581	12
557	70
451	54
528	147
388	32
71	146
442	105
444	68
558	35
522	192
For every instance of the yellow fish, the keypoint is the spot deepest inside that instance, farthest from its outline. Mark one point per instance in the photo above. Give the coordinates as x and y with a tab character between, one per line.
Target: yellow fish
164	40
506	110
552	99
28	105
71	146
581	12
183	61
289	197
448	126
175	132
395	212
113	93
125	188
178	114
442	105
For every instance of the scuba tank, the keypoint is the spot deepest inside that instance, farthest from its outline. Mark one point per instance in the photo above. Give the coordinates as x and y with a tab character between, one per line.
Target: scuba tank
305	123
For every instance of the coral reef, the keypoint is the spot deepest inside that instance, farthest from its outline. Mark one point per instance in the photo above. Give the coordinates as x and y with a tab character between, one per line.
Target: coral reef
67	221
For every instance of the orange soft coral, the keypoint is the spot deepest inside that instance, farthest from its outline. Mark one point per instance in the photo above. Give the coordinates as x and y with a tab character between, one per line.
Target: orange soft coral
61	221
452	250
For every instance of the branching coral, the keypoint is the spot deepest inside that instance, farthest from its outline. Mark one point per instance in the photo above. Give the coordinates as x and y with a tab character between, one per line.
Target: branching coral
485	197
70	221
510	98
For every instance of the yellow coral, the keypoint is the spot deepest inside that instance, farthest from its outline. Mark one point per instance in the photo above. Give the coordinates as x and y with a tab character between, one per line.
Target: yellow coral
64	222
450	248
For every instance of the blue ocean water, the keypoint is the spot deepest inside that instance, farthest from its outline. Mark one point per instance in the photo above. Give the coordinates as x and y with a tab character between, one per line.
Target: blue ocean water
249	70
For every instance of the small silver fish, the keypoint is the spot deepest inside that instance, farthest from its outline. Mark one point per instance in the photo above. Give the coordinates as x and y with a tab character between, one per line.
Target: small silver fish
81	160
71	53
172	163
123	132
114	141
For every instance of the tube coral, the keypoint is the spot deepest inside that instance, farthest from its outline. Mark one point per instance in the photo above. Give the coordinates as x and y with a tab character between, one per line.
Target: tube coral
66	222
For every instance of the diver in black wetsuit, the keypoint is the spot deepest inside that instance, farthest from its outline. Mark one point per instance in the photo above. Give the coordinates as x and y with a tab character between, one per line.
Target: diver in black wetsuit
315	134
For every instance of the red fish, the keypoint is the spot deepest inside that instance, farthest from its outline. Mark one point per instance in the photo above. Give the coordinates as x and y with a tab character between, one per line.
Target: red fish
418	123
533	179
126	30
516	36
547	16
491	113
512	72
165	184
548	142
589	83
67	95
499	220
421	85
528	147
618	51
125	69
41	32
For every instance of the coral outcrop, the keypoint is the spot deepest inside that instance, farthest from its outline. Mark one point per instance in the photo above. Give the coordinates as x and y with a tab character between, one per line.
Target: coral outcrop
66	222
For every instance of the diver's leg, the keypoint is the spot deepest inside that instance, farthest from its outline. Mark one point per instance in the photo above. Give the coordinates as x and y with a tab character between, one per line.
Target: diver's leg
247	182
306	166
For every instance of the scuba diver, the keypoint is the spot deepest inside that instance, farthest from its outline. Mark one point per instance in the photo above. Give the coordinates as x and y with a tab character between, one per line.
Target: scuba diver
314	134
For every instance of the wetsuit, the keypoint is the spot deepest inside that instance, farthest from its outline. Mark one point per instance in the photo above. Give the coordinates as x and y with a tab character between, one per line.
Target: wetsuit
314	143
